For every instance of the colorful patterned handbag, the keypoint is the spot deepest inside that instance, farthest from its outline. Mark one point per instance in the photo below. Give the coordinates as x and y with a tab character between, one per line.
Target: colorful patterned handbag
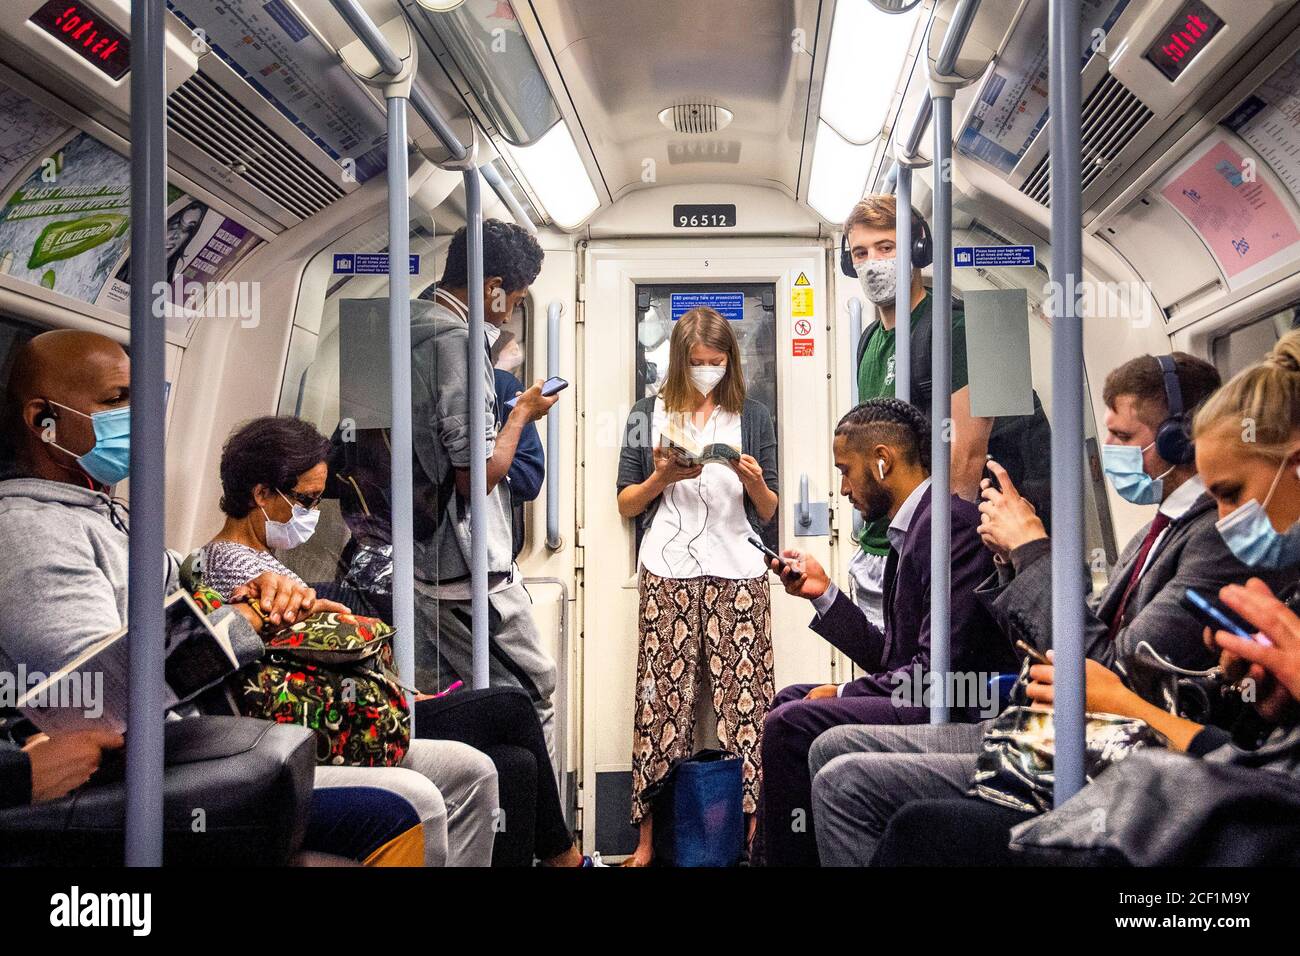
335	674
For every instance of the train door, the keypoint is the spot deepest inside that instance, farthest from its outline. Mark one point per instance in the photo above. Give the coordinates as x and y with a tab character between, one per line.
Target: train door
632	293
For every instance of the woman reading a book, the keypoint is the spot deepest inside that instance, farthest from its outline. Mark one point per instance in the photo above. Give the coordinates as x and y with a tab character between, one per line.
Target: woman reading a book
698	471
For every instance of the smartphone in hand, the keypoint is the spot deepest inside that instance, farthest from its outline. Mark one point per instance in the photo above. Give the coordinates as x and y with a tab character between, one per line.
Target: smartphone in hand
1214	615
757	542
552	386
987	472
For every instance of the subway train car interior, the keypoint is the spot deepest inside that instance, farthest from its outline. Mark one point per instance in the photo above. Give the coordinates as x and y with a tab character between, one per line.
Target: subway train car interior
509	394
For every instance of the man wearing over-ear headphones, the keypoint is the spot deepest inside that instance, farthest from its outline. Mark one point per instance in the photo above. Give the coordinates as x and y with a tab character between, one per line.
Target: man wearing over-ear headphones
868	251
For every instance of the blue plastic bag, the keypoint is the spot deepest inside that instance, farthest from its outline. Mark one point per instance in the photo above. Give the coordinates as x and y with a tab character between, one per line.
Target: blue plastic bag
698	811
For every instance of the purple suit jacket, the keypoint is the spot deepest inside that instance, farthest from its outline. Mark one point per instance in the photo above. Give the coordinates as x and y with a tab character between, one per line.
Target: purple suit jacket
891	656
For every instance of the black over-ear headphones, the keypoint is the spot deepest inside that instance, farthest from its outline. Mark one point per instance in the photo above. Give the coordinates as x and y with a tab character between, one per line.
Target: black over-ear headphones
922	247
1174	436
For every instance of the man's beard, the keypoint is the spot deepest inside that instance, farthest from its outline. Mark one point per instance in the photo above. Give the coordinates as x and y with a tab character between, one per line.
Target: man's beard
878	501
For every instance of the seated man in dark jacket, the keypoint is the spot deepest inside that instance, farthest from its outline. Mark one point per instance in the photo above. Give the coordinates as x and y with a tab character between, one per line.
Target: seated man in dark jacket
882	449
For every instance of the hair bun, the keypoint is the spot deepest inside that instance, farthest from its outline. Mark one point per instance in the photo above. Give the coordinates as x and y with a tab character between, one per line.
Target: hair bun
1286	353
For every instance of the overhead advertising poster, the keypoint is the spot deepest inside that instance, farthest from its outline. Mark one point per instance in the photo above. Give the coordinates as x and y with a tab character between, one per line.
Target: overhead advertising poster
1012	104
1248	226
1269	120
65	228
266	43
27	134
201	244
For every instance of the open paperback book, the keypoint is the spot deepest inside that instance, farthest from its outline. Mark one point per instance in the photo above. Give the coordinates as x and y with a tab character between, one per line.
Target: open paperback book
691	452
92	691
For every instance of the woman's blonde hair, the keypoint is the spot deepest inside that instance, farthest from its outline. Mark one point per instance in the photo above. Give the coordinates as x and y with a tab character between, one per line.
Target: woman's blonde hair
1262	402
702	326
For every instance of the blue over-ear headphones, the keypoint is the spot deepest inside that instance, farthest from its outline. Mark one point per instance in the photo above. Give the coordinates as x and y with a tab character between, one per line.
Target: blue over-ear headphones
1174	436
922	247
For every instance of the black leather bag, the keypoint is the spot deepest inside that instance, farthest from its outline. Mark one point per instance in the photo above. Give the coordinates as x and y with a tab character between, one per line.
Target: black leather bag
1162	808
236	792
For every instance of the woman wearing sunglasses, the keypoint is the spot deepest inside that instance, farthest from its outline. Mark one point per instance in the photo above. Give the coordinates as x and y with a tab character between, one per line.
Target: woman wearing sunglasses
273	476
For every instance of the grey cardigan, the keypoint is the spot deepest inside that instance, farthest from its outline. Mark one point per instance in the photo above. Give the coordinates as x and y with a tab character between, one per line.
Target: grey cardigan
636	459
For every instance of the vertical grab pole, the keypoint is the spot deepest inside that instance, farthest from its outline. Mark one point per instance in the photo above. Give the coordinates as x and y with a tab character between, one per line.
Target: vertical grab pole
1067	391
903	295
553	313
144	741
399	345
855	339
940	409
940	101
476	363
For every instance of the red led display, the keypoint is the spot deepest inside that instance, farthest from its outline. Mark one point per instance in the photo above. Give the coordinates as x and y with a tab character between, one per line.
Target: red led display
84	31
1185	36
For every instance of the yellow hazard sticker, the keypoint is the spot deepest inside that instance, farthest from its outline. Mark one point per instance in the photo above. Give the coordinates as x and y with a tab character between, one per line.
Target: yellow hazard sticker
801	303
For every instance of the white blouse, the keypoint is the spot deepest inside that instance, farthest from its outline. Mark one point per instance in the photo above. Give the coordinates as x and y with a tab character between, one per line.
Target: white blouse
700	528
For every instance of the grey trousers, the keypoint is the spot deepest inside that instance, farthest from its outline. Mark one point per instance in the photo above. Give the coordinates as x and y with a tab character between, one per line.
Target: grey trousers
515	654
862	775
451	786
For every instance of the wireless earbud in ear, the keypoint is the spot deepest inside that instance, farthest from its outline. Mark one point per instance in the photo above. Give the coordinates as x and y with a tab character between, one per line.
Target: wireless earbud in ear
880	467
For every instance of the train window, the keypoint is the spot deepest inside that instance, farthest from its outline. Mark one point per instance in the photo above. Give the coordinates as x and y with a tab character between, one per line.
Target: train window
510	352
336	375
13	334
1247	344
751	307
1099	534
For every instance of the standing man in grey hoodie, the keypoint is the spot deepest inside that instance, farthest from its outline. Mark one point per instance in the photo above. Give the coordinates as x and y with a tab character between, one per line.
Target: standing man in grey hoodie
512	260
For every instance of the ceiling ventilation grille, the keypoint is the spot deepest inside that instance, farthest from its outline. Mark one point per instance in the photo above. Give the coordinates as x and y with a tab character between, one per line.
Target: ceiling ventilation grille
695	118
215	122
1111	117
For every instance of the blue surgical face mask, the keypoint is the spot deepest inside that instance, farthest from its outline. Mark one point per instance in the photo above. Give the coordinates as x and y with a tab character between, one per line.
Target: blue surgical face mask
1252	538
109	459
1123	466
286	535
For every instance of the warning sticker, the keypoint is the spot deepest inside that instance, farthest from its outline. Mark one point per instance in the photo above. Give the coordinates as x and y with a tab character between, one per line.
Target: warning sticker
801	303
802	348
801	297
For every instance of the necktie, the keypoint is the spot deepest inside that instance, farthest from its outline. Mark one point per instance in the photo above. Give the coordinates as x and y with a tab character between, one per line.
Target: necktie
1158	525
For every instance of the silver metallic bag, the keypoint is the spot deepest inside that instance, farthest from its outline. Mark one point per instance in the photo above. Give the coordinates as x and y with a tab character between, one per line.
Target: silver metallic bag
1015	767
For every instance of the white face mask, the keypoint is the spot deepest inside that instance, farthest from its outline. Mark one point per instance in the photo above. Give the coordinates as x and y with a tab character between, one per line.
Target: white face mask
493	332
705	378
879	280
285	535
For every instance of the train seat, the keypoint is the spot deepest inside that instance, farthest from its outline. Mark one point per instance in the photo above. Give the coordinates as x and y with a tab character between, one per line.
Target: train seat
236	792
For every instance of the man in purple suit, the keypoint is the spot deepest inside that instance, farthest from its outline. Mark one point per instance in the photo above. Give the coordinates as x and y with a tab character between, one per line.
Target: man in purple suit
882	449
